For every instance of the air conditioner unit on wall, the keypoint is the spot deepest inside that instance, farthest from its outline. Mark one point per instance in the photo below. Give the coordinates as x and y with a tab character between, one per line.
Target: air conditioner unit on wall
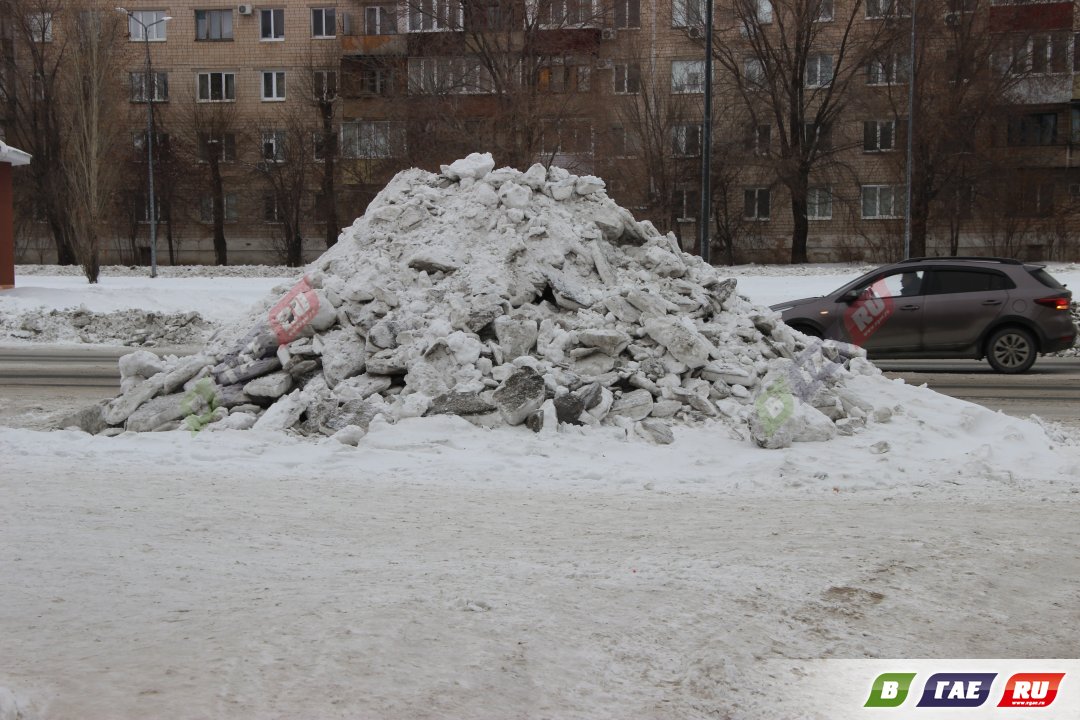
243	9
695	32
605	64
952	19
608	34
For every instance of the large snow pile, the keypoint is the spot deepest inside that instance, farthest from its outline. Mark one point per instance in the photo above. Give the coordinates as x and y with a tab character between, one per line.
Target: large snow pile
504	297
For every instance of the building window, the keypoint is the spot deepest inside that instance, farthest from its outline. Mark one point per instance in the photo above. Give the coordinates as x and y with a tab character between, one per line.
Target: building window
891	70
819	203
324	84
686	140
273	85
1049	53
560	75
627	79
814	133
688	76
138	141
687	13
756	204
323	22
272	24
450	75
758	138
565	137
560	13
878	9
879	135
622	142
271	210
627	14
754	72
379	20
213	25
376	81
217	86
206	208
223	146
687	205
147	25
142	209
41	26
1033	129
1031	199
824	11
882	201
433	15
365	139
273	146
819	70
159	92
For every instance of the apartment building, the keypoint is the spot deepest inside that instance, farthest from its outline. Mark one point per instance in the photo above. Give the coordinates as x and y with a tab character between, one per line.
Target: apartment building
615	88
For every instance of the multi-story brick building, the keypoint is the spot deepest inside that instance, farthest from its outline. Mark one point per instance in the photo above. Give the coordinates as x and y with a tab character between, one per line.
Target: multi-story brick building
615	89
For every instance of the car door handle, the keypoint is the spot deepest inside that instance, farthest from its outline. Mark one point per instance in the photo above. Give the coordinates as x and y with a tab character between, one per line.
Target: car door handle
909	308
991	302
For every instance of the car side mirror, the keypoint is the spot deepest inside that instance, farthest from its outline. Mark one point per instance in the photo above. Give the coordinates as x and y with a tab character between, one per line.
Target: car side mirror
850	296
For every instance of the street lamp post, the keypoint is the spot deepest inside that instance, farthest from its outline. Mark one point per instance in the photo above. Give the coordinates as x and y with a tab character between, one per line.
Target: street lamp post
148	93
909	160
706	142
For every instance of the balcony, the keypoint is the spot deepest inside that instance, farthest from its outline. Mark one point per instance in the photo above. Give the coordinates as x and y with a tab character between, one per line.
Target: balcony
1031	17
385	45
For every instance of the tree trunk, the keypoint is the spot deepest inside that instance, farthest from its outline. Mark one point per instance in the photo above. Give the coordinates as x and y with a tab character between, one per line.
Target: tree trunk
800	228
220	249
329	170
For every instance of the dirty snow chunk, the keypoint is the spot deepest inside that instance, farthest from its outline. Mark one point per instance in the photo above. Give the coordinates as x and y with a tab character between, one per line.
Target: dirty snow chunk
535	177
361	387
609	222
283	414
121	408
635	405
183	371
411	216
141	363
664	263
513	195
343	355
655	431
157	412
475	165
465	348
350	435
611	342
241	420
568	408
684	343
516	336
648	302
718	370
880	448
460	403
432	261
270	386
562	189
588	185
522	394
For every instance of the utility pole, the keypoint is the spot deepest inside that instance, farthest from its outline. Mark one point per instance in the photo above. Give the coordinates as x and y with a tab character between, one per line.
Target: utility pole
706	142
148	94
910	137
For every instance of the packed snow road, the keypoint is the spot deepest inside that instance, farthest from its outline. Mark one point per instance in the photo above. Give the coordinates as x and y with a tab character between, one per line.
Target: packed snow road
442	571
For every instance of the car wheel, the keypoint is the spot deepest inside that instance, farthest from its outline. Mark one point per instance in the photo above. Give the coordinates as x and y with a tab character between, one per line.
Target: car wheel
808	331
1011	350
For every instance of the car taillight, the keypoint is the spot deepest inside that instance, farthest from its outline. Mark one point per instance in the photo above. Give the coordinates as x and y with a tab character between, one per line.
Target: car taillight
1058	302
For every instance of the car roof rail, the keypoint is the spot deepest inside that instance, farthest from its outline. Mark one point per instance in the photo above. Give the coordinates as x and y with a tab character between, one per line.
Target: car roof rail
1002	260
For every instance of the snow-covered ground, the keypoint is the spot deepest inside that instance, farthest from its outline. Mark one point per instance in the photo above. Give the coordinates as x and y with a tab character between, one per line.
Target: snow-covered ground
439	570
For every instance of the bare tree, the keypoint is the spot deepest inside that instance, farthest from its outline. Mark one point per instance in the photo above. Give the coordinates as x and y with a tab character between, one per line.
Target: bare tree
31	82
792	64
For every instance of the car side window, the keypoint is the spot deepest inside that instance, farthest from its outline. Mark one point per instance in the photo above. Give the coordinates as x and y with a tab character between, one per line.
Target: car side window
969	281
908	283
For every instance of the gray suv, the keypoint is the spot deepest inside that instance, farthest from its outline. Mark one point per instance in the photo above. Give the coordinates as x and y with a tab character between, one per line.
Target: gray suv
1001	309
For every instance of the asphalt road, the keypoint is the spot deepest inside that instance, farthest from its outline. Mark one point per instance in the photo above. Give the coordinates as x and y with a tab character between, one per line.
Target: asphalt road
1051	389
38	382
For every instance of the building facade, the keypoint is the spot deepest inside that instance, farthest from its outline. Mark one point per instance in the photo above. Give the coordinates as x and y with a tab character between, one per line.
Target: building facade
276	123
